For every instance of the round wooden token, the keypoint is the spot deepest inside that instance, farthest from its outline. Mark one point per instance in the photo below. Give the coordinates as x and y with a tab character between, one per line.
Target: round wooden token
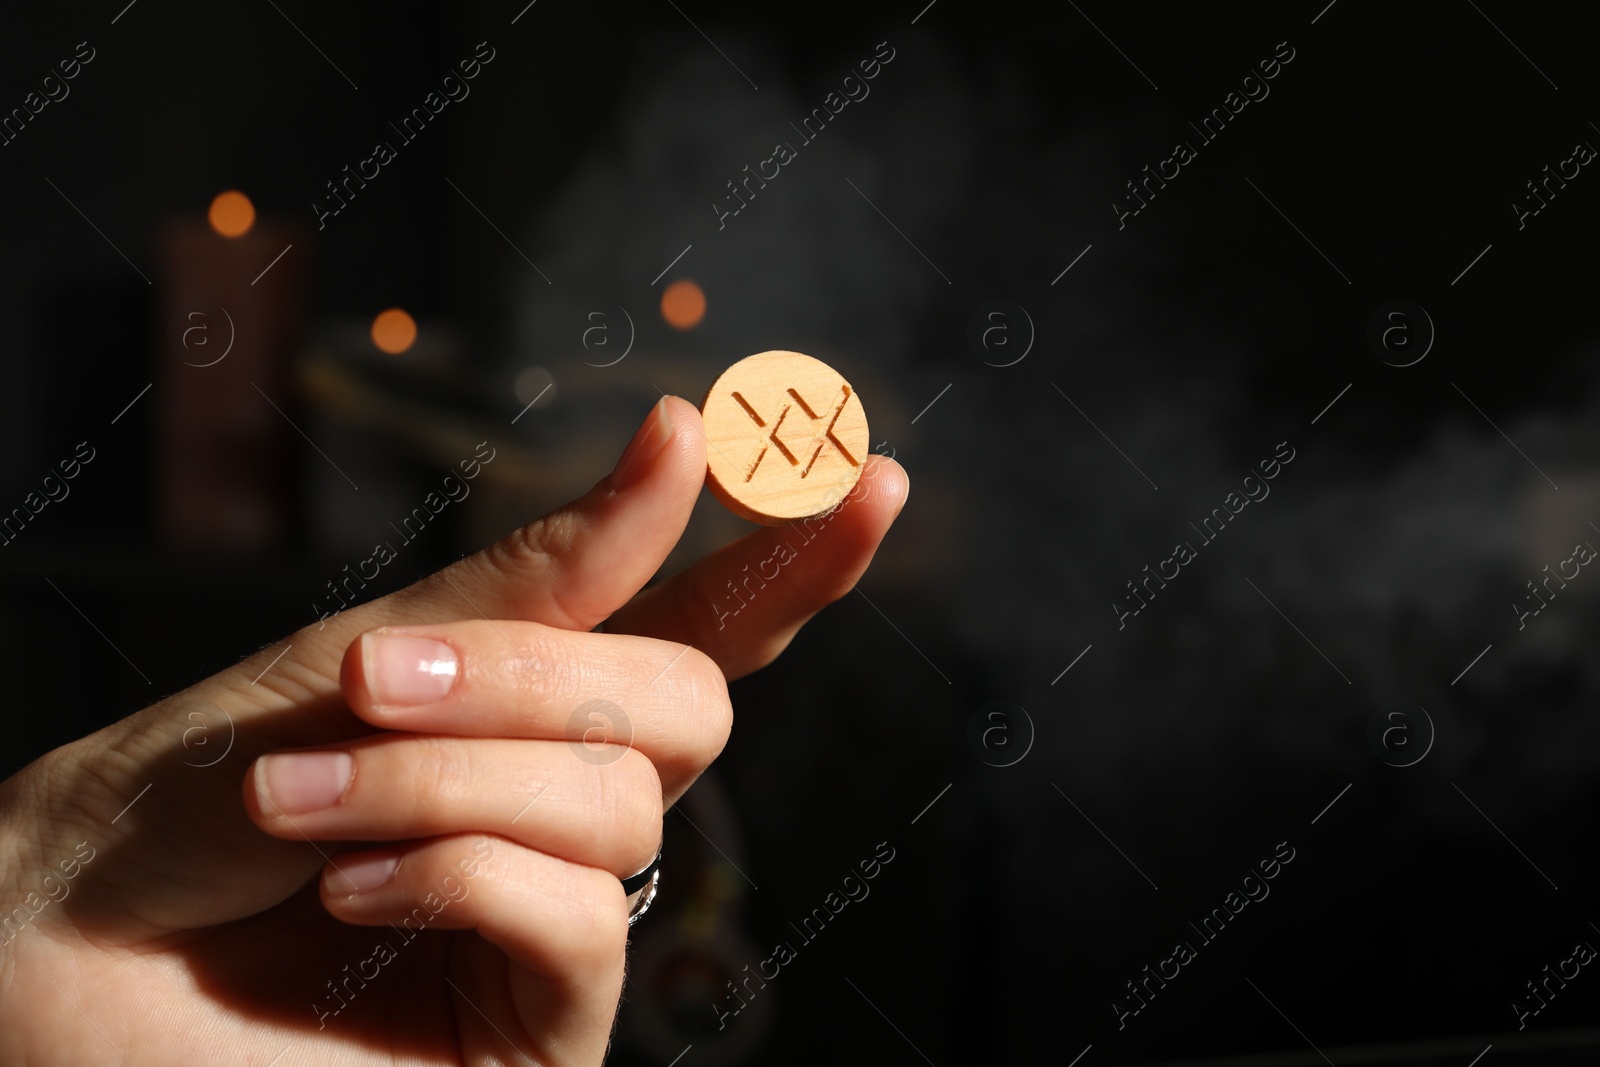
786	437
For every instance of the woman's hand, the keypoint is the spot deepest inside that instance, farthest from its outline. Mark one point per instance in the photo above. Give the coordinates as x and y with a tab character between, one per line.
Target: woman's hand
400	834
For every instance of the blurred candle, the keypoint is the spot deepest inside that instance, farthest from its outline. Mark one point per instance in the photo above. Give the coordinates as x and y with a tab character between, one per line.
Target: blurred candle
230	316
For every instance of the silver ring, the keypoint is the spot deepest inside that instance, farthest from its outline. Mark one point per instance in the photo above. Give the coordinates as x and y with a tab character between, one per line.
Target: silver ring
645	884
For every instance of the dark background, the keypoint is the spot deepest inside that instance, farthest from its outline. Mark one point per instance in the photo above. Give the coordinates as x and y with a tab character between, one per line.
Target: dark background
1178	751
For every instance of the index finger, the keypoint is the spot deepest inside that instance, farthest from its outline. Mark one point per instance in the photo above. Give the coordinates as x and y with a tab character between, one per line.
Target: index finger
744	603
523	680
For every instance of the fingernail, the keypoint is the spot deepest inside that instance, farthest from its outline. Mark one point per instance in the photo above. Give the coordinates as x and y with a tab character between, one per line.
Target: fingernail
361	875
403	671
644	448
298	782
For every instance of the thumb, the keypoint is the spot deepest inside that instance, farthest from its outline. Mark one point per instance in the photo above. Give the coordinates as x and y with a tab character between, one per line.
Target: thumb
570	569
581	562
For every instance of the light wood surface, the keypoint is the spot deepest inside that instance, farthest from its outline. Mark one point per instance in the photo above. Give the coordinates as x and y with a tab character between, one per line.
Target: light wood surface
786	437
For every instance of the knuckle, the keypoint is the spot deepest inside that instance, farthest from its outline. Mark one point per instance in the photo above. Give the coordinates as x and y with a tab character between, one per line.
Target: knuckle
643	806
596	925
540	670
537	542
628	805
703	671
710	707
537	551
444	774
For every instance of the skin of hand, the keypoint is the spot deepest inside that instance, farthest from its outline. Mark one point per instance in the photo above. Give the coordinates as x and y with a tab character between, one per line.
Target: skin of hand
409	775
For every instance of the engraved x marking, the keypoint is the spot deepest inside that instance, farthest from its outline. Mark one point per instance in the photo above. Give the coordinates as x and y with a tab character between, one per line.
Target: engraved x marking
819	439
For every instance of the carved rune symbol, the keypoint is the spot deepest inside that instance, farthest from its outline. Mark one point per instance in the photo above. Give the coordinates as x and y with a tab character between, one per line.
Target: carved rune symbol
818	438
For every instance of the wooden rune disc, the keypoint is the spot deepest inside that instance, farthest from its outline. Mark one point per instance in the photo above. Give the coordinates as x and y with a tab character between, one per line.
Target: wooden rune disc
786	436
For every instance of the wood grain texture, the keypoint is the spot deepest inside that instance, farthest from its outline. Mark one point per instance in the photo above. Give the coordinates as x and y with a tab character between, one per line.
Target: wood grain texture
786	437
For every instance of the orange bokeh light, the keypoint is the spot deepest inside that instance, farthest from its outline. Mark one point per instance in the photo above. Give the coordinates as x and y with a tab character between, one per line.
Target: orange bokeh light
394	331
683	305
232	214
